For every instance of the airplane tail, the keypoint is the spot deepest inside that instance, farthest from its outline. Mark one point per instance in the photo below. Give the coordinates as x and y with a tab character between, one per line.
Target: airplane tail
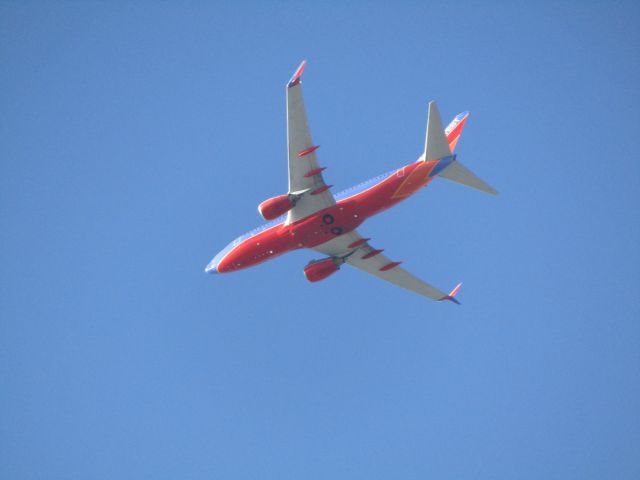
440	144
454	129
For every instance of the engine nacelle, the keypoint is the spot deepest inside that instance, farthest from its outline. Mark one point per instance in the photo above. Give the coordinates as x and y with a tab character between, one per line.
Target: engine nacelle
274	207
320	269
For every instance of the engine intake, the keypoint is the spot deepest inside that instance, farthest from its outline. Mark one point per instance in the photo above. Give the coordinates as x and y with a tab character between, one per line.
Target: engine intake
320	269
274	207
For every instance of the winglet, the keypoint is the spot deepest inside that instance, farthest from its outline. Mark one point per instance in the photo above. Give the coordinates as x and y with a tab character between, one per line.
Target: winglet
295	80
452	295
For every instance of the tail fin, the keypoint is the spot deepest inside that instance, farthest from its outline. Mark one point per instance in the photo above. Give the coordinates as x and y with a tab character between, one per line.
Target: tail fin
436	145
440	144
454	130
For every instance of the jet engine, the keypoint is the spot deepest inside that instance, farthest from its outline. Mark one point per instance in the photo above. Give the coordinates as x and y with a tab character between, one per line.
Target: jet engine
320	269
274	207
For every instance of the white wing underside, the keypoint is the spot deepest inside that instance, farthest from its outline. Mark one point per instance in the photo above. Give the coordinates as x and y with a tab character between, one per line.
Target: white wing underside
339	247
302	184
299	140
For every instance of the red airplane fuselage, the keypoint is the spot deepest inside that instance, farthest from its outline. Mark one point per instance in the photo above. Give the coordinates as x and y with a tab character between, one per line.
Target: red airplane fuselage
346	215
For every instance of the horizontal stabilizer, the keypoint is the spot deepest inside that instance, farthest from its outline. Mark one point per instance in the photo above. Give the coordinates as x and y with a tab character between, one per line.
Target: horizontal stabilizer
457	172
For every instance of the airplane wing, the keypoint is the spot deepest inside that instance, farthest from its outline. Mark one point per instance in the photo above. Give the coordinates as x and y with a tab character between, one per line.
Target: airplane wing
305	174
356	251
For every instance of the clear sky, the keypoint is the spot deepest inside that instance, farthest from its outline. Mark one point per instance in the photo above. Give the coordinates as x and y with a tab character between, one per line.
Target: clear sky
138	138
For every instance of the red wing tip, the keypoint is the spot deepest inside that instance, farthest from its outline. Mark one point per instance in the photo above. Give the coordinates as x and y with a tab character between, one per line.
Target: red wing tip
295	80
452	294
455	290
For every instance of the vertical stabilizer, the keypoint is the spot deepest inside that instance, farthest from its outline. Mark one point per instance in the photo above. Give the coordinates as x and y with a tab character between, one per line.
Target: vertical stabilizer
454	130
436	146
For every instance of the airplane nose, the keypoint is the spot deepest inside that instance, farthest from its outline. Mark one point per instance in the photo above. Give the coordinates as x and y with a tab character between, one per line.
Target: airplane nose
211	268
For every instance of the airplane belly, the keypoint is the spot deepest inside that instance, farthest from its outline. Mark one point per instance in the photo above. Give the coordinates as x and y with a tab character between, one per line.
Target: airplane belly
326	225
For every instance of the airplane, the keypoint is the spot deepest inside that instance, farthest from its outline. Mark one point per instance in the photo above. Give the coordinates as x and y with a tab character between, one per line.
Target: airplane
310	216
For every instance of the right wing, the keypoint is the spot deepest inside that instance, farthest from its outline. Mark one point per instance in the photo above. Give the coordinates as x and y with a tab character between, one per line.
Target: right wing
305	175
355	250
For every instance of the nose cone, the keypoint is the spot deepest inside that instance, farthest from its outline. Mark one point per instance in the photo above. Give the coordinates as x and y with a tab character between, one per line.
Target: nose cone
211	268
220	262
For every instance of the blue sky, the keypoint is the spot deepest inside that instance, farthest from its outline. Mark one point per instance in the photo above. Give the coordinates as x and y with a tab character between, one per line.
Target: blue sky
137	139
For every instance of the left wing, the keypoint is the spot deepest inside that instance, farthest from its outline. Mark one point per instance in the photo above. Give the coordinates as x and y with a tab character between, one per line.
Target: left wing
305	175
355	250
